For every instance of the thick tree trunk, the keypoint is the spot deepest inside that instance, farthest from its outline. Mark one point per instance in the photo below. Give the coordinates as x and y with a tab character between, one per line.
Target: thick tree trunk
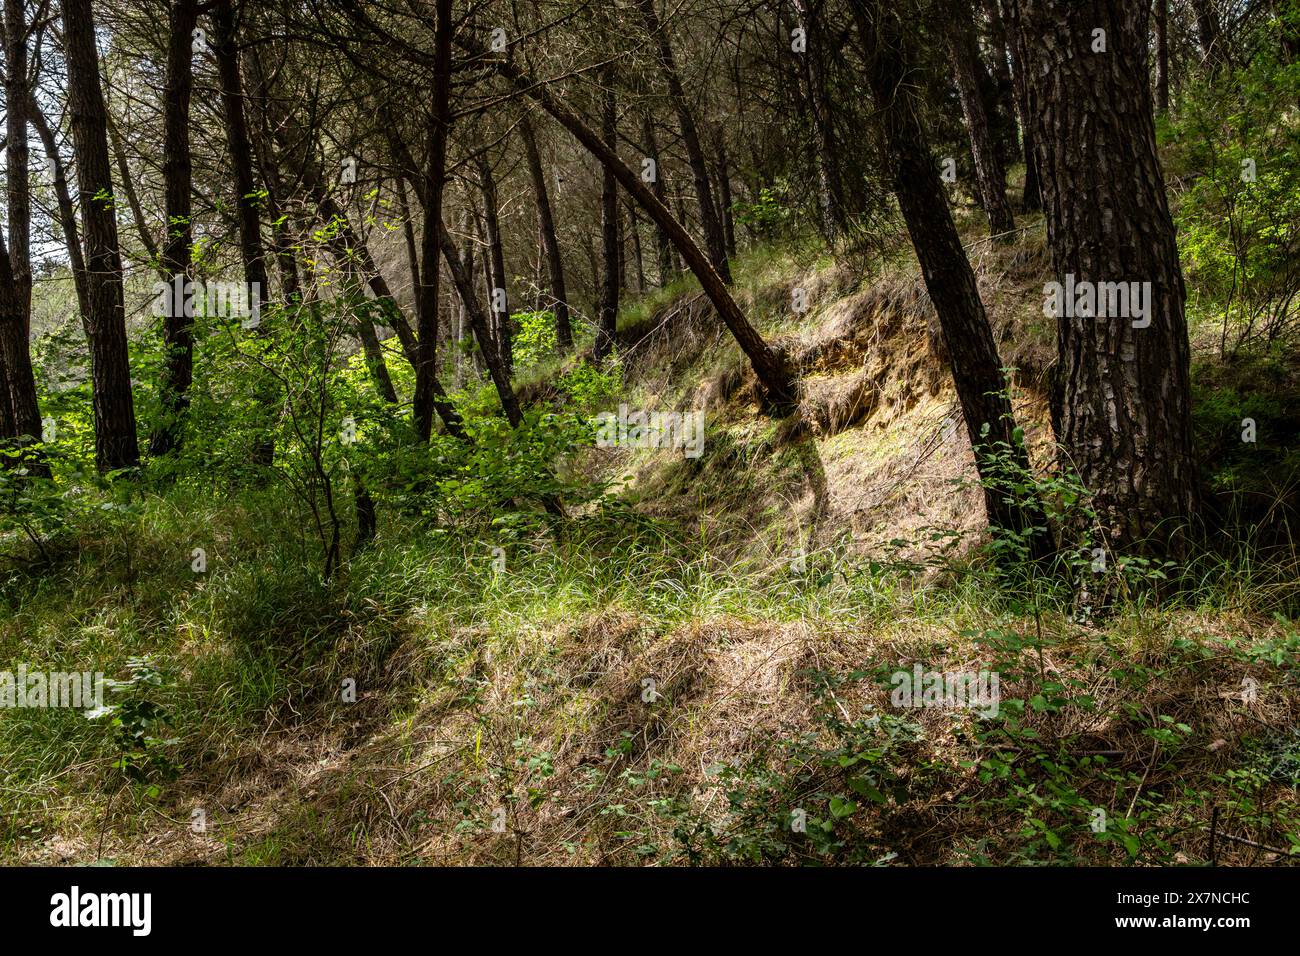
709	220
607	323
771	368
976	368
1033	197
178	336
989	174
550	241
115	438
1121	400
22	423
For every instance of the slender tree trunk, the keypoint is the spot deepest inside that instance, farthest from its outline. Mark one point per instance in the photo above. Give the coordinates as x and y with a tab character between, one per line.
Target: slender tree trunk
1210	33
1033	197
251	251
67	212
479	323
426	369
667	263
607	326
1162	55
634	230
114	408
989	174
1121	400
550	242
824	139
976	368
178	335
499	301
724	189
23	420
709	221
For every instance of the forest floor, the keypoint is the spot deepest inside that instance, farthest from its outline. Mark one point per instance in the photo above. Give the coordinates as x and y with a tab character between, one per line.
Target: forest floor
697	671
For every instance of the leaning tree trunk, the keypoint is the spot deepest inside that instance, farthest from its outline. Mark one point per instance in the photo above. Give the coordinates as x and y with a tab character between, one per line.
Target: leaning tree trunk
115	439
989	174
1121	399
770	366
23	421
976	368
550	242
606	327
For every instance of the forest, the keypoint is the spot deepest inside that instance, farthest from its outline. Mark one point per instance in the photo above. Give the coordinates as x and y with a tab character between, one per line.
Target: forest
656	433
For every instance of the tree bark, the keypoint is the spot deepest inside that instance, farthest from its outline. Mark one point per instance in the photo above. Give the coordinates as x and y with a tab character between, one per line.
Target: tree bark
22	422
116	445
1121	400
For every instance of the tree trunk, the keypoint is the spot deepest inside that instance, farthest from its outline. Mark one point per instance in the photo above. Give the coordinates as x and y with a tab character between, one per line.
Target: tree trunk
724	189
22	423
498	303
709	221
976	368
607	323
989	173
426	367
178	336
1162	55
823	141
67	212
114	408
667	256
1121	399
1210	33
550	242
251	251
1033	197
